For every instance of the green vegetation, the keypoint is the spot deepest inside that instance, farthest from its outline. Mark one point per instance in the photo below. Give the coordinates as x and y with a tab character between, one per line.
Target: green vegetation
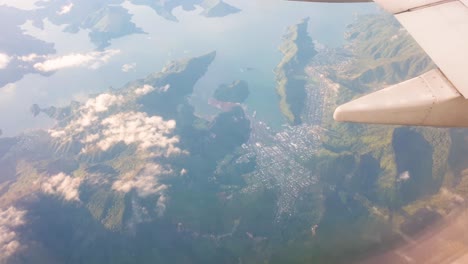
180	76
211	8
378	59
384	54
218	8
298	49
103	22
109	23
387	175
236	92
373	183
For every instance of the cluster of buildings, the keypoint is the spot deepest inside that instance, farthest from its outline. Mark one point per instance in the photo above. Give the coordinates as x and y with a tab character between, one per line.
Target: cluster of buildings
282	156
280	159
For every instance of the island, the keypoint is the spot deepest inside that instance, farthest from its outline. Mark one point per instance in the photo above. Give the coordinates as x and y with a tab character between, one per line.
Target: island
20	50
105	21
297	49
211	8
236	92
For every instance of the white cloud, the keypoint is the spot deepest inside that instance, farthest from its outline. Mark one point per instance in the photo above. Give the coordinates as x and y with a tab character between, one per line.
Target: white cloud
161	205
10	219
146	89
145	182
92	60
88	115
164	88
404	176
129	67
4	60
91	138
23	4
103	101
58	134
64	186
139	214
85	120
148	133
65	9
97	130
31	57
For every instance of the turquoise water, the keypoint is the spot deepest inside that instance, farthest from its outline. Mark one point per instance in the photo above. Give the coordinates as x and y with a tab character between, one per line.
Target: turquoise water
247	39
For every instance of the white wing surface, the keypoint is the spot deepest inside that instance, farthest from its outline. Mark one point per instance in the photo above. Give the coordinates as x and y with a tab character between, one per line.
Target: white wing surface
441	29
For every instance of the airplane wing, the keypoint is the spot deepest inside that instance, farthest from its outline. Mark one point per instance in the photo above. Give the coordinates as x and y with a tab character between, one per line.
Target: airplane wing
436	98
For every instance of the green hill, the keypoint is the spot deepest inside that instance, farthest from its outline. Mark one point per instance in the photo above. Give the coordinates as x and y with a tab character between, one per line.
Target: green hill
236	92
297	49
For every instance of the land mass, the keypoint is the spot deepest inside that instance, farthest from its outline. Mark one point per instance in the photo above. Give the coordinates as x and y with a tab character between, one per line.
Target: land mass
211	8
297	49
236	92
105	21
